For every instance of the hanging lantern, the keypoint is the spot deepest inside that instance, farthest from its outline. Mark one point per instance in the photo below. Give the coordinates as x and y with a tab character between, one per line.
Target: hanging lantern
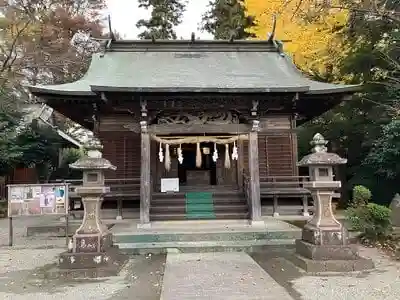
161	154
215	154
180	155
235	154
206	150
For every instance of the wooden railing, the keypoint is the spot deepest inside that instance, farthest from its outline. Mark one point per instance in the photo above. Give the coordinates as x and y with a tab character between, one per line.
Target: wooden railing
283	185
119	187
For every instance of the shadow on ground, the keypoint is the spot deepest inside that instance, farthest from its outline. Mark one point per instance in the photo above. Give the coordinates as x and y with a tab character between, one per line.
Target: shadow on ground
140	278
278	266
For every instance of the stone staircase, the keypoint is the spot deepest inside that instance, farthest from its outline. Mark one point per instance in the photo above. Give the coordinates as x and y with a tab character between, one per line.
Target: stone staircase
229	204
205	236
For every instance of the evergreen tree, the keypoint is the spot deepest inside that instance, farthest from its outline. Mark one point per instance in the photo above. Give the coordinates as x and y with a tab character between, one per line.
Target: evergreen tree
165	15
227	19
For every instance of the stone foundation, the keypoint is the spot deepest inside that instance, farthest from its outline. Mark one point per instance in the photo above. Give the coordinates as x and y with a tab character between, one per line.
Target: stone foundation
326	252
329	258
319	266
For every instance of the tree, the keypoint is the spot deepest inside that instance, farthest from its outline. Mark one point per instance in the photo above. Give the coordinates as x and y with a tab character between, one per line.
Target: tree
363	129
36	40
165	16
36	48
386	151
227	19
10	151
313	33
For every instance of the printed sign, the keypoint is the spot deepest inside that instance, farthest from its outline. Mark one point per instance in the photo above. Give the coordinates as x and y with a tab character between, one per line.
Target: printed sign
37	199
169	185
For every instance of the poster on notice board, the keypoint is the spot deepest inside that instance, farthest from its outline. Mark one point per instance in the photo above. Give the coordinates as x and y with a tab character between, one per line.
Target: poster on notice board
37	199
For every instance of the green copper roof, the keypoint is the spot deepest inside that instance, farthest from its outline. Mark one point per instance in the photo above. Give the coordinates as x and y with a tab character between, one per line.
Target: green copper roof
183	66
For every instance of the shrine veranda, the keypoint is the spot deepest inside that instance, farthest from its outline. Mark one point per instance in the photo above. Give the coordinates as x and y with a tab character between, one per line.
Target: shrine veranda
197	129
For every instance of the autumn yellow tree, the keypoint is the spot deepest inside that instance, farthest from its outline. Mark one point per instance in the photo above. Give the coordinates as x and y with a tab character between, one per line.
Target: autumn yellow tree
313	32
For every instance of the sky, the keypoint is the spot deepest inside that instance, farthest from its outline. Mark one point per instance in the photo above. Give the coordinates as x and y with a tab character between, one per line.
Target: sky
125	13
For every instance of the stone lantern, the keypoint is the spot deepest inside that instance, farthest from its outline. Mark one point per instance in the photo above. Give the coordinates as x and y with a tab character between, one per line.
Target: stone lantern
91	245
324	244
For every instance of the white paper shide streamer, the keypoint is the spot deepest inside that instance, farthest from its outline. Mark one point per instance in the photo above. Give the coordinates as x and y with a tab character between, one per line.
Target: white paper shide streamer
161	154
180	155
215	154
235	154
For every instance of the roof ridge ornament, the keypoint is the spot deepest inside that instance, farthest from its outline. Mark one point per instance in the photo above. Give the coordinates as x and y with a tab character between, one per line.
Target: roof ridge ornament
111	33
271	34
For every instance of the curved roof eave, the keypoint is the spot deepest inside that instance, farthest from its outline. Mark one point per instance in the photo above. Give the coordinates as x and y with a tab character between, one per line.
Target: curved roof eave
318	87
334	89
59	90
291	89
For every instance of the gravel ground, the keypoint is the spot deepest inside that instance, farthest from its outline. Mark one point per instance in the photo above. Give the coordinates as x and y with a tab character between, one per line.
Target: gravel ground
24	271
383	283
24	268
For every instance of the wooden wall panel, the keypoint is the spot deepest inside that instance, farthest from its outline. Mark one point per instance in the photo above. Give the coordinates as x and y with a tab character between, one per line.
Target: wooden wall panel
118	122
262	154
277	122
123	150
279	155
245	153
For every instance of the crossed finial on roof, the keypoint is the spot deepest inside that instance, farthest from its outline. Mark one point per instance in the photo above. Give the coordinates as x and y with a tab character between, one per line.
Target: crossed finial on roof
271	34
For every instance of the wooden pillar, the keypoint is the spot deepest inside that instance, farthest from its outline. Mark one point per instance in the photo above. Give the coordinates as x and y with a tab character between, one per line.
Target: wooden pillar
254	173
145	180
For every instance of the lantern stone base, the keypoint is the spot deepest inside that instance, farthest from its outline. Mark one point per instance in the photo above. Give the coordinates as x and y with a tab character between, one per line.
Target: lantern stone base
92	254
92	264
92	242
70	260
329	258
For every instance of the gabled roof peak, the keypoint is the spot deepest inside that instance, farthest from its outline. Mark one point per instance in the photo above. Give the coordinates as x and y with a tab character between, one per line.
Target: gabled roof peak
191	46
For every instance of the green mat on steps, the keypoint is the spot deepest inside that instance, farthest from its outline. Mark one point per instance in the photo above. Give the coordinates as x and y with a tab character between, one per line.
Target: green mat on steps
199	205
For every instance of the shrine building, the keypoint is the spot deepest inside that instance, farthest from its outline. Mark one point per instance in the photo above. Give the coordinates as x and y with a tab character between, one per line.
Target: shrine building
197	129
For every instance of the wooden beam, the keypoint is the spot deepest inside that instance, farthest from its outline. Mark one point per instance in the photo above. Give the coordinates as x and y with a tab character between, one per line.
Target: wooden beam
145	181
199	129
254	173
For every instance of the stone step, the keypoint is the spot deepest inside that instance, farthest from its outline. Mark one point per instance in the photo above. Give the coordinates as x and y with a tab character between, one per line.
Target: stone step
182	195
205	246
220	235
198	208
183	216
227	192
182	201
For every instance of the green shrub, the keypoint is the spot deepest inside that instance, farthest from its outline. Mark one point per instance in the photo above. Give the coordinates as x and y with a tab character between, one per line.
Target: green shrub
372	220
361	196
3	208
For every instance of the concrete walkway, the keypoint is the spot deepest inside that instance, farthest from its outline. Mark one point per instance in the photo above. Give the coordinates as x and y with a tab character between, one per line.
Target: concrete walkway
218	276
